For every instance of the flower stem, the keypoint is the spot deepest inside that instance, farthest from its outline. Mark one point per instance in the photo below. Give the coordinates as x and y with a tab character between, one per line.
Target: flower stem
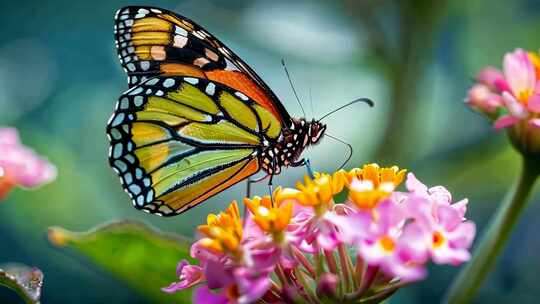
371	273
304	261
499	229
330	261
310	293
346	267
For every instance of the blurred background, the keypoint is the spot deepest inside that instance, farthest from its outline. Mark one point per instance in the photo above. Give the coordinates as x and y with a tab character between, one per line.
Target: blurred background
60	77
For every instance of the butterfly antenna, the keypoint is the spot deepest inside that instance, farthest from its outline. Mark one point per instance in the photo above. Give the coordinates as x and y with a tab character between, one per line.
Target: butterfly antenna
311	102
368	101
292	86
349	146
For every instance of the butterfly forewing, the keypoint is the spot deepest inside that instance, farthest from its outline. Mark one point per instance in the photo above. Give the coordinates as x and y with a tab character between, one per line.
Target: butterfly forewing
152	41
176	141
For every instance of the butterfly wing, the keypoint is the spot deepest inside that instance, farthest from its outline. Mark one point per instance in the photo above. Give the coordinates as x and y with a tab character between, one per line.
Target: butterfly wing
176	141
152	41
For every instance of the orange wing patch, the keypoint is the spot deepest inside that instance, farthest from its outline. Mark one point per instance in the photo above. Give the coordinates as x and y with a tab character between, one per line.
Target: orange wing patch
242	83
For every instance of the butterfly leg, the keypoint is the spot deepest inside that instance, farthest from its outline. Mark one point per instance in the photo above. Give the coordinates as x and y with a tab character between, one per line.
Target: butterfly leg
299	163
253	181
304	162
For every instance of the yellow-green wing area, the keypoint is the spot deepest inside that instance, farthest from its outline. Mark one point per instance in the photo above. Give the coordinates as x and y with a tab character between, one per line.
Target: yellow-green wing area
176	141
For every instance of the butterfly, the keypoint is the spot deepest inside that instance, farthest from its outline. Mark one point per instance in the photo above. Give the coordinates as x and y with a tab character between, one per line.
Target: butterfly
196	118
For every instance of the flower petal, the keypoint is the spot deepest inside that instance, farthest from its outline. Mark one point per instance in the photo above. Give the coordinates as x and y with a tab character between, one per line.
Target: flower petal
505	121
9	137
203	295
448	217
414	185
462	236
489	76
515	108
534	103
535	122
519	72
252	286
216	274
440	195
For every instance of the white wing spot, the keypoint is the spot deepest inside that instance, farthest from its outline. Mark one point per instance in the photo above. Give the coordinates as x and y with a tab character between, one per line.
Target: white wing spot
180	31
180	41
191	80
145	65
210	89
242	96
169	82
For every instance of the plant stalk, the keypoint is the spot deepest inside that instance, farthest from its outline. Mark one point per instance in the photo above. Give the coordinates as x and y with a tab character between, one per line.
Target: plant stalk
494	240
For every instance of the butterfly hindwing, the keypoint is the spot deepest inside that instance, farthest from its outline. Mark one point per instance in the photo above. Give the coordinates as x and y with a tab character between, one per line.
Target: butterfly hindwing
176	141
152	41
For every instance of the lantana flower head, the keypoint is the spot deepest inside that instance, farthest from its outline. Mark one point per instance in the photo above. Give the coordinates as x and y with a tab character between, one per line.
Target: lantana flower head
511	98
303	245
19	165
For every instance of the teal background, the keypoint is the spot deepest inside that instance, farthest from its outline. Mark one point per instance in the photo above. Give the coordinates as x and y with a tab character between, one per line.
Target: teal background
60	77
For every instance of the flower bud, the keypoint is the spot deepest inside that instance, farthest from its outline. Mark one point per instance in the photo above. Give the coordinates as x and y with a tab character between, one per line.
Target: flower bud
327	285
483	100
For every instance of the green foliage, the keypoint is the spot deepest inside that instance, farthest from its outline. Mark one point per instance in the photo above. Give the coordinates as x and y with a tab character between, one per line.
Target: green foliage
132	251
24	280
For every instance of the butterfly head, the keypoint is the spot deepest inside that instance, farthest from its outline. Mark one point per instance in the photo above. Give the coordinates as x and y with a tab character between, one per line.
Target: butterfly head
316	131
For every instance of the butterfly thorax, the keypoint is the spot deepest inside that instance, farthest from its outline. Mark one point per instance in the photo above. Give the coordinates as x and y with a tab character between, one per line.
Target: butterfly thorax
290	145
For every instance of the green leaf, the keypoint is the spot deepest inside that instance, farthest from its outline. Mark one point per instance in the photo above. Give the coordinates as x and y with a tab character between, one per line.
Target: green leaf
134	252
24	280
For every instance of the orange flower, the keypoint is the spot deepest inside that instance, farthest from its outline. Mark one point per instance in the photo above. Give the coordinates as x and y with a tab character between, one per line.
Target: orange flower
272	217
371	184
223	231
319	192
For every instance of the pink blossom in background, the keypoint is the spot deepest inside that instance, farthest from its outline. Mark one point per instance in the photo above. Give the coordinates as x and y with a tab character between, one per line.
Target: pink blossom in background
511	97
19	165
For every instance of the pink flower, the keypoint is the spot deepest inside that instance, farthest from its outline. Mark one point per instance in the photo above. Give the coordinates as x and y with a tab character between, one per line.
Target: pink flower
512	98
309	232
188	275
445	232
19	165
394	249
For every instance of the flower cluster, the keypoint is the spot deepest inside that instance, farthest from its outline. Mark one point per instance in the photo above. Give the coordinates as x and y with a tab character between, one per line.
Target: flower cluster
511	98
19	165
303	245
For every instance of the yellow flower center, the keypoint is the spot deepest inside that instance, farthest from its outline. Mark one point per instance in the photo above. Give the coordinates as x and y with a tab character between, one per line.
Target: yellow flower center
387	243
438	239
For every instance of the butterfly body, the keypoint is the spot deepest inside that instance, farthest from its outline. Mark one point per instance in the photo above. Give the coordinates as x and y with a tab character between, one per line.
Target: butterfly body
287	150
196	119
